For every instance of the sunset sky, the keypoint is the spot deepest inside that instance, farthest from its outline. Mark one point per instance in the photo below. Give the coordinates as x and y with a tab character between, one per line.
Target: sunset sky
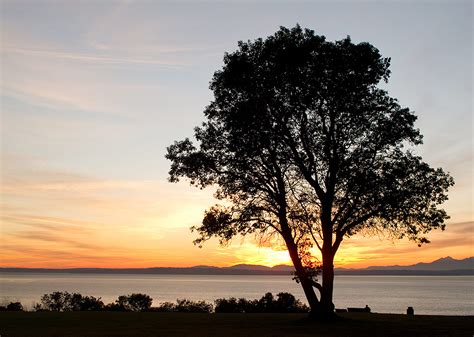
92	93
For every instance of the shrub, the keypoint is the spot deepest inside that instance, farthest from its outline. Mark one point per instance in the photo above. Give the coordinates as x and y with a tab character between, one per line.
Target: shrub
14	306
113	307
85	303
56	301
39	307
139	302
230	305
285	302
184	305
64	301
248	306
133	302
265	304
165	307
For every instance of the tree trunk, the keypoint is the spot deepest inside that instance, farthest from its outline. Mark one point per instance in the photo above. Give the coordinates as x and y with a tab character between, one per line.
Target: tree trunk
327	305
306	283
308	289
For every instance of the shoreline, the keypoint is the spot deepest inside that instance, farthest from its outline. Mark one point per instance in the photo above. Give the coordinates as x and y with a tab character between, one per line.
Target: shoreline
213	272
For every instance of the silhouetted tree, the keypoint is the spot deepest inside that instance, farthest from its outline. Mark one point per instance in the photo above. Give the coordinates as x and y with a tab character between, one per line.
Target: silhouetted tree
133	302
302	145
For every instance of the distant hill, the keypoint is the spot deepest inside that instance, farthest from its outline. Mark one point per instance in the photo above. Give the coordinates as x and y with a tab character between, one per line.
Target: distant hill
249	267
443	266
280	267
283	267
445	263
204	267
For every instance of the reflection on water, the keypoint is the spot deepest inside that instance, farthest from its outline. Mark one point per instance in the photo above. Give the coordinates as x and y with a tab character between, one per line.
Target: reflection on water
442	295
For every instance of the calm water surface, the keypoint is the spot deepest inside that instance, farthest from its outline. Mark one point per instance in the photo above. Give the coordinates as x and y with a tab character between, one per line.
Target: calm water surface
441	295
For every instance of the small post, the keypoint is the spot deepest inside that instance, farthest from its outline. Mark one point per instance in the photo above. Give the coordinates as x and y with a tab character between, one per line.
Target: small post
410	311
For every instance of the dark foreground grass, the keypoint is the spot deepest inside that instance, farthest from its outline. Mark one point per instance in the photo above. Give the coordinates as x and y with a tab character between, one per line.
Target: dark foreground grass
127	324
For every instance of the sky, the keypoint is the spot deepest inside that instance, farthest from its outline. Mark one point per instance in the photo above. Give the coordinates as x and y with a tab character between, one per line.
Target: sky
93	91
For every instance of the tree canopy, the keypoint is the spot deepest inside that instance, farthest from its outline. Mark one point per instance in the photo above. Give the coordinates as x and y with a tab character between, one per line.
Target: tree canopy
302	144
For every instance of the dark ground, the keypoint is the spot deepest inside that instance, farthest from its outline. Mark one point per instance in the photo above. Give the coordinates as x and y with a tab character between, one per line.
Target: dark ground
84	324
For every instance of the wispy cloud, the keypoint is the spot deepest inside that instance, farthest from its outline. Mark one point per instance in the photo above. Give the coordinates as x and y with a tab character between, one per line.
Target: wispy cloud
51	223
105	59
47	236
78	214
463	228
19	255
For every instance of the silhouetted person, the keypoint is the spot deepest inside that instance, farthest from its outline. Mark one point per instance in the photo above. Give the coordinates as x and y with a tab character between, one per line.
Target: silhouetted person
367	309
410	311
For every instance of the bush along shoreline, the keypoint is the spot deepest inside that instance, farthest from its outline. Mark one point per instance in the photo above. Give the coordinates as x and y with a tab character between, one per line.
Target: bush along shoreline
59	301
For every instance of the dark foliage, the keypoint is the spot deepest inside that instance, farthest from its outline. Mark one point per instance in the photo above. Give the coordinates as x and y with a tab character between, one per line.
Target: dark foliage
184	305
248	306
164	307
305	149
228	305
56	301
284	303
14	306
114	307
133	302
64	301
86	303
233	305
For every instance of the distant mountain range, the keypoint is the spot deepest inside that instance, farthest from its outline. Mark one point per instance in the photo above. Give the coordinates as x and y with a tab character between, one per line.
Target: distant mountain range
443	266
445	263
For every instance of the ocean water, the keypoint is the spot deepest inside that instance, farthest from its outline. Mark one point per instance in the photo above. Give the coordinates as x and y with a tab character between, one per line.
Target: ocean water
430	295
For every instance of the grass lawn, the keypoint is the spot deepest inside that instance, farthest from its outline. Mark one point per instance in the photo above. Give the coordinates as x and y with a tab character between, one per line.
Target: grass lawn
85	324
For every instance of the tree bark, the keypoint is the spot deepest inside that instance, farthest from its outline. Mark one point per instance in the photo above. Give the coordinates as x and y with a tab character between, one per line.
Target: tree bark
306	283
327	305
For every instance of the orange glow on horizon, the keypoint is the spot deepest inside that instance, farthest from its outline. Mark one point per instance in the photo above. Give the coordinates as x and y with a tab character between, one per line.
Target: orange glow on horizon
77	222
356	253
